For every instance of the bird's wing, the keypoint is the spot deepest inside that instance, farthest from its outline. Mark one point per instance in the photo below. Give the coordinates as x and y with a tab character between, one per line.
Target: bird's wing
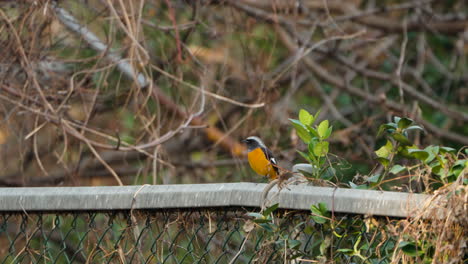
271	158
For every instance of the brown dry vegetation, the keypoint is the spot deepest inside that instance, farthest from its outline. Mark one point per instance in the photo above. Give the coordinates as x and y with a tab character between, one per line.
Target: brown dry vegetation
124	92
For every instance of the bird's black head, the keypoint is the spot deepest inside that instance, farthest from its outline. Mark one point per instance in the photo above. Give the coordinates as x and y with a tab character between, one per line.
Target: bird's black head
253	143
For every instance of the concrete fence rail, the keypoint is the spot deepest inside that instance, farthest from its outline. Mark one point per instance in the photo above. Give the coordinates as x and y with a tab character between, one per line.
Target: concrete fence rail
296	197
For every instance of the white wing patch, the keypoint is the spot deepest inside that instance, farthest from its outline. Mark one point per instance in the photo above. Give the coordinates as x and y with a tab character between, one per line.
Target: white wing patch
272	160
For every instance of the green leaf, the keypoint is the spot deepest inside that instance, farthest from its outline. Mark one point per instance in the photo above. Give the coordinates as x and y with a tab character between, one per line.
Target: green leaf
317	215
447	149
256	215
270	209
463	163
328	173
414	127
323	208
261	221
409	248
328	133
402	139
374	178
322	129
436	168
389	127
305	118
309	174
383	161
359	187
317	114
293	243
311	146
312	131
419	154
432	151
301	131
397	169
268	227
384	151
456	172
321	148
319	219
280	243
305	156
403	151
404	122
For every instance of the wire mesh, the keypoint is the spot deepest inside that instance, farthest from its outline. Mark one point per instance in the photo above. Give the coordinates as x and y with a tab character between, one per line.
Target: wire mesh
175	236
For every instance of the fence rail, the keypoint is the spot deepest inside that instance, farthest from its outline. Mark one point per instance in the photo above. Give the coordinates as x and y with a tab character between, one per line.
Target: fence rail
297	197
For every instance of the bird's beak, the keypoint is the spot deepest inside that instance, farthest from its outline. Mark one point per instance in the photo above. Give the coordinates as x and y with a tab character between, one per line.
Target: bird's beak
244	141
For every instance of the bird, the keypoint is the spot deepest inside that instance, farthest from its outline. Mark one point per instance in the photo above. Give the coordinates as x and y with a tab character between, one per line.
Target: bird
260	158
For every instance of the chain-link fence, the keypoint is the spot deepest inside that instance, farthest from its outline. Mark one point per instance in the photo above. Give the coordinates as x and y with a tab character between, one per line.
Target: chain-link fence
169	236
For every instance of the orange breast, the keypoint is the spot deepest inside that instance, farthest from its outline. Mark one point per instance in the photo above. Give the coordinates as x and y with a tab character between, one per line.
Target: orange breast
260	164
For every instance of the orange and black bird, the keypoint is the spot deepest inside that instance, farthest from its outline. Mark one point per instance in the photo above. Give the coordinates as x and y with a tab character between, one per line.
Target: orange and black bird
261	159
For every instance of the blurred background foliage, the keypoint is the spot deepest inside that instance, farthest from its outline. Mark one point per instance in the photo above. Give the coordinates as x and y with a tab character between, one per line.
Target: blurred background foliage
130	92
